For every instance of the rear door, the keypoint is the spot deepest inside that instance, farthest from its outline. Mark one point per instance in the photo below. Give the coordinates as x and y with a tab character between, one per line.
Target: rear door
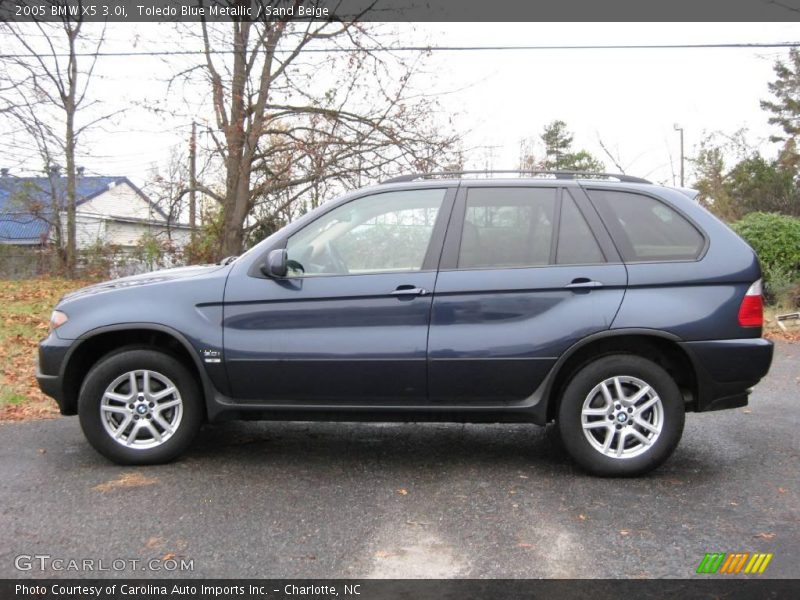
526	272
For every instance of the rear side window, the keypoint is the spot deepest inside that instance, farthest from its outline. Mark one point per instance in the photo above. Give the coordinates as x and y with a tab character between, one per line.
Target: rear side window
645	229
576	243
507	227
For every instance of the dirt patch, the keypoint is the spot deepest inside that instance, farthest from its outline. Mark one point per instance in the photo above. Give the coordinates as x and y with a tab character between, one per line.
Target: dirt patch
791	335
126	480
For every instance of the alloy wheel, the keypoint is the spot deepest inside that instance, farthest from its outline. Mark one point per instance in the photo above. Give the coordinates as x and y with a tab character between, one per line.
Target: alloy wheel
622	417
141	409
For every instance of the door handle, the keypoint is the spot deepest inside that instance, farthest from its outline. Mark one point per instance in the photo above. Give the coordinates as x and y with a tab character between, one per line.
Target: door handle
583	283
409	290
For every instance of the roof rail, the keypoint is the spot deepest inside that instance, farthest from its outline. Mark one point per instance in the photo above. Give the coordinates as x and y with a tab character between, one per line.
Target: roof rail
556	174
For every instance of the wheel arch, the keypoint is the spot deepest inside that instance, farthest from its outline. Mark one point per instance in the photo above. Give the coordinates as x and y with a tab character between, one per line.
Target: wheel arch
103	341
659	346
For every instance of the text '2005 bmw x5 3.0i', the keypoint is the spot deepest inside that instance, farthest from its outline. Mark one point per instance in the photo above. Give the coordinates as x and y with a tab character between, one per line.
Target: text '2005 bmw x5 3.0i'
605	303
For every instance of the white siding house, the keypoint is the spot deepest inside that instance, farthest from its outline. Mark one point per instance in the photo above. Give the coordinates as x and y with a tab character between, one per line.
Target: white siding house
109	210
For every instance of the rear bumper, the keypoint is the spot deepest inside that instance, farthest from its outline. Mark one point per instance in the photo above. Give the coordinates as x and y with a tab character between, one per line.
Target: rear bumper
727	369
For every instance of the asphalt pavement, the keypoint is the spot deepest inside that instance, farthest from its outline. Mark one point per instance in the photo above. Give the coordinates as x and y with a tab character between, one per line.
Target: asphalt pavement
321	500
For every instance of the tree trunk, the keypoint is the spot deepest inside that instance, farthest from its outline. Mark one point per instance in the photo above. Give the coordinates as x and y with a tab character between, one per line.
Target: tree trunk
69	147
71	249
236	207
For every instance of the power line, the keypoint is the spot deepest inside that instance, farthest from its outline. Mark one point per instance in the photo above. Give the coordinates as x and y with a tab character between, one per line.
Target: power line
732	45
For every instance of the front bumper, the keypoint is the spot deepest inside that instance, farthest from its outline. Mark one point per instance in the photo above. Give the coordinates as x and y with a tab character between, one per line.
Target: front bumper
727	369
50	372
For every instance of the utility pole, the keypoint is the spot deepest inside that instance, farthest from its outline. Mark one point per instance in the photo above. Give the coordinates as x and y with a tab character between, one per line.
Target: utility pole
193	180
680	129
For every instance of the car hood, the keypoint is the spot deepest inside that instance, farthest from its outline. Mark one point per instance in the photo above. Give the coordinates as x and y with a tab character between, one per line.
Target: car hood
150	278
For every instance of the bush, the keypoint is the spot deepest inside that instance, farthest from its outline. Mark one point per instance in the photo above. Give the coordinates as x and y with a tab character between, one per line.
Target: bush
776	240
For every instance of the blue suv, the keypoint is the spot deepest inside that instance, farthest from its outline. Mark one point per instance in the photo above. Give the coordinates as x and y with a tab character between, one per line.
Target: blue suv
605	303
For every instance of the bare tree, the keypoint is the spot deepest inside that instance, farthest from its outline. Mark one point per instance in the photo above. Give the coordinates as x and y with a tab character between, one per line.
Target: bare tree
167	185
43	89
299	104
614	159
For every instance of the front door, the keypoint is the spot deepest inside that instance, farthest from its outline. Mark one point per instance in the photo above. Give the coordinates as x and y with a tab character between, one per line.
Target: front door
523	277
349	325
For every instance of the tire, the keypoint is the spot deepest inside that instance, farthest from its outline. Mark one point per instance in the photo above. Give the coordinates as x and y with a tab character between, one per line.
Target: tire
167	420
588	414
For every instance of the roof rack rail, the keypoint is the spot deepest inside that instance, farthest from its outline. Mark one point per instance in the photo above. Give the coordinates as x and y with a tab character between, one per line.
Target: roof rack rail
556	174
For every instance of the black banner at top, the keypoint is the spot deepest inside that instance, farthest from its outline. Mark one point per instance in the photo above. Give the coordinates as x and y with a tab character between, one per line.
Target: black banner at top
401	10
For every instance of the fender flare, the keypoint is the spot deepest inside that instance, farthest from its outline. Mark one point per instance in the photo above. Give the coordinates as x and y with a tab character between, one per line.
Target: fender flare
543	396
209	390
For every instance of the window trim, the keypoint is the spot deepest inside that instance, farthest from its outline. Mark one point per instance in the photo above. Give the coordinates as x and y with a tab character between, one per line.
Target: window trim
432	253
705	237
557	236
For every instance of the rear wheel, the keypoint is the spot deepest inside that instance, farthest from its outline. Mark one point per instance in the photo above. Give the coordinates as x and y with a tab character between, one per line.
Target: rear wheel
140	406
621	415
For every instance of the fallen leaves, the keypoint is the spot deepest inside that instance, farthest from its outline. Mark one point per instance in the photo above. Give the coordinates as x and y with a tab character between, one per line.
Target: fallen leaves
777	334
765	536
38	407
26	312
126	480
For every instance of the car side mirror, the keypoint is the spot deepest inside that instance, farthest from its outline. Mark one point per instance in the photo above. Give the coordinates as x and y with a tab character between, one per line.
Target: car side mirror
277	264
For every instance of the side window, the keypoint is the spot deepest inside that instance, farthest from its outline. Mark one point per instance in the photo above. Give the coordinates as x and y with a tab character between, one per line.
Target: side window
645	229
576	242
507	227
383	232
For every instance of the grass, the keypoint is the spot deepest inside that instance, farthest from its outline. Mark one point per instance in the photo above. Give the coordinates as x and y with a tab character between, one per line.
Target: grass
25	308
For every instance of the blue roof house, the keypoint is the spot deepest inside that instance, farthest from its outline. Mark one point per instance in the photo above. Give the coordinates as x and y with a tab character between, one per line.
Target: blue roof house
109	210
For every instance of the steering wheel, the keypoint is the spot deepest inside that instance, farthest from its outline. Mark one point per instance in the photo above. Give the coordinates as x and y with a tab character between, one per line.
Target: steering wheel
337	262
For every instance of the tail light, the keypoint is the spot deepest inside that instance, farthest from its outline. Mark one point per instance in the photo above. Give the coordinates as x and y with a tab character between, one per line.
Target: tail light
751	311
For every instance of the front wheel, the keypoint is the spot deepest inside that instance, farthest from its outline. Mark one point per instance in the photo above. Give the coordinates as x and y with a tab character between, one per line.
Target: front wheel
621	415
140	406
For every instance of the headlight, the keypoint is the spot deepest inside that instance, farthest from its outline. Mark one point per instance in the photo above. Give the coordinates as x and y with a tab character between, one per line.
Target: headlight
57	319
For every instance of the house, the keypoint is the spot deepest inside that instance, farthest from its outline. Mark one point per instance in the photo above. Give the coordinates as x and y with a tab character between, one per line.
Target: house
109	210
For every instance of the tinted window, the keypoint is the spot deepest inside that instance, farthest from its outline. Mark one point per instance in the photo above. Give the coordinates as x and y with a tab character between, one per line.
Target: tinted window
576	243
507	227
382	232
645	229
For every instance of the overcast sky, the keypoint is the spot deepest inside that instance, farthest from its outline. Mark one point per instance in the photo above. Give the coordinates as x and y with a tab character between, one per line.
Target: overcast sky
629	98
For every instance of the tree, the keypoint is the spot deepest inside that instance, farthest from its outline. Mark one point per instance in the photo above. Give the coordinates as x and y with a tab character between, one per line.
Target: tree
785	109
711	177
558	152
288	120
165	186
753	183
44	89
